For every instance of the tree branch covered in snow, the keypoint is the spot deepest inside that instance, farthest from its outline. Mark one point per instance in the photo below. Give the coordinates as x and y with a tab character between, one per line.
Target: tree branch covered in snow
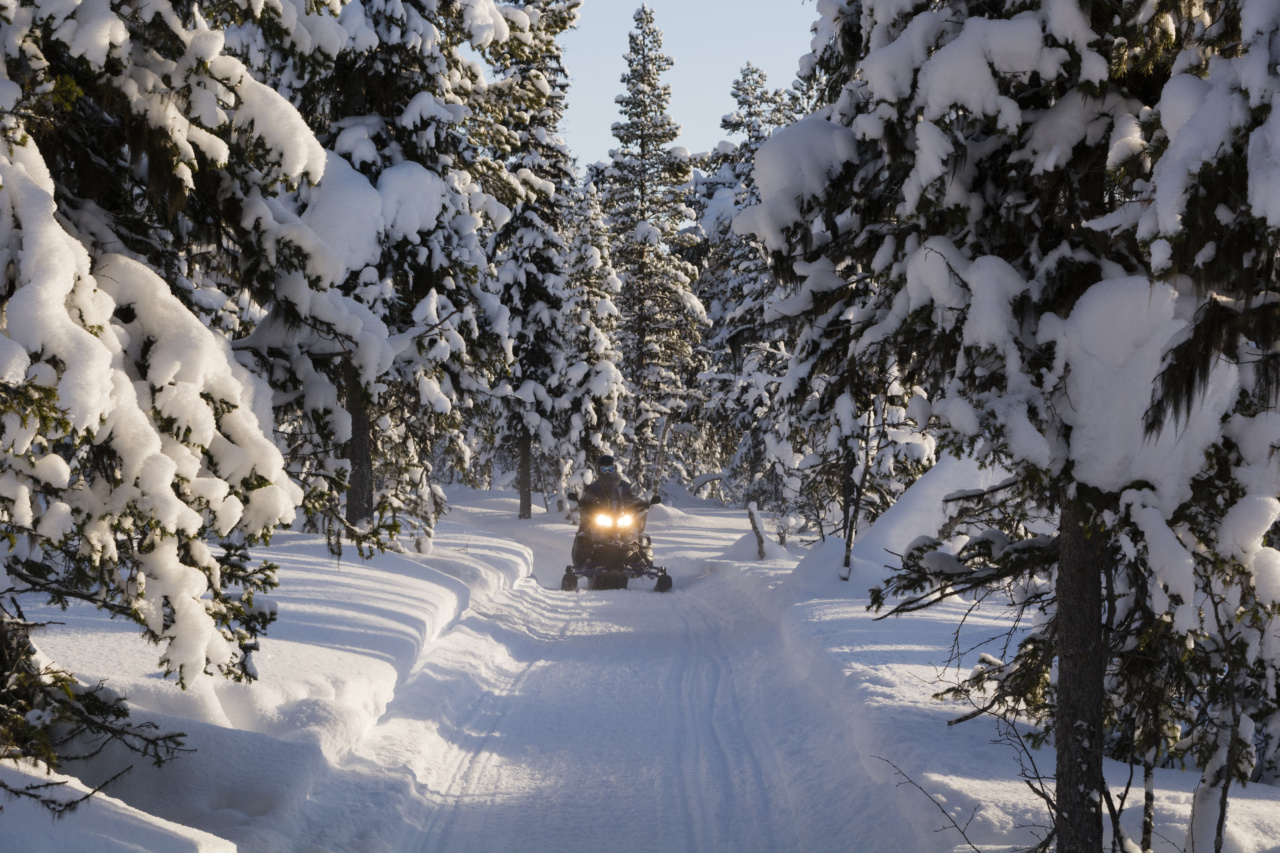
1003	197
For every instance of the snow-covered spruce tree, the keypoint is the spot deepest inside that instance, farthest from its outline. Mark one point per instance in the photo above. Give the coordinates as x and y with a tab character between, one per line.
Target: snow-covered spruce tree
414	335
740	353
831	439
1201	171
548	411
948	187
642	191
135	456
750	342
591	318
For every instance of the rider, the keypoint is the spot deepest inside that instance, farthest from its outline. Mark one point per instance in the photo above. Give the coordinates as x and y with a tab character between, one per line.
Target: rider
607	488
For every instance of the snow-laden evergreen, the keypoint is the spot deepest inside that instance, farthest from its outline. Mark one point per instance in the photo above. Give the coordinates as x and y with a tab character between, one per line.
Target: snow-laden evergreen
743	353
643	191
163	201
562	395
1200	172
947	212
137	461
825	443
406	331
590	315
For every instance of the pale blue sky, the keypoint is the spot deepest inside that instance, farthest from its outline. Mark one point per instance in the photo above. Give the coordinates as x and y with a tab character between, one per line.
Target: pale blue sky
710	41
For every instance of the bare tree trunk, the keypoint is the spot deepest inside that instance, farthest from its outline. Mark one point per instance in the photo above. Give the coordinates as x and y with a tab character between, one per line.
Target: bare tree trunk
359	450
1148	803
847	490
755	527
661	453
1081	672
524	472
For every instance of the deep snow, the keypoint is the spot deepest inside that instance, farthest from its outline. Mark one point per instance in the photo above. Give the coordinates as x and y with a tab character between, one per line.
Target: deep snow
461	702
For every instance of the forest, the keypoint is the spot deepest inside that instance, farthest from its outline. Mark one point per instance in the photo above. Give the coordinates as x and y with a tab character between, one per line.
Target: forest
277	264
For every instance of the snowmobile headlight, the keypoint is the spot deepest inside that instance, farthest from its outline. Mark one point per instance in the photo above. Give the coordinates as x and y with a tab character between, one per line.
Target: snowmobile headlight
603	520
625	520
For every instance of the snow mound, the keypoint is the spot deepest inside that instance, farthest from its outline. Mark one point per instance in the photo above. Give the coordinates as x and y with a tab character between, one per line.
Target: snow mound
920	510
349	635
819	573
666	514
747	549
103	824
875	552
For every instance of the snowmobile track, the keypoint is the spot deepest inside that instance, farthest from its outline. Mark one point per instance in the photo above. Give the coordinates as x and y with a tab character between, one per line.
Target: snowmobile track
644	714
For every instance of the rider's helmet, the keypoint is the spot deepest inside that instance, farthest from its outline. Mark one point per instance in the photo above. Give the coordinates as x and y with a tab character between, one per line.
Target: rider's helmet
606	466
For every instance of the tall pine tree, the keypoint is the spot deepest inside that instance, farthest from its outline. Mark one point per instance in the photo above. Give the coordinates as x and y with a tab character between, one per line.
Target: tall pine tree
539	414
1200	172
643	190
734	279
414	335
591	322
936	214
137	164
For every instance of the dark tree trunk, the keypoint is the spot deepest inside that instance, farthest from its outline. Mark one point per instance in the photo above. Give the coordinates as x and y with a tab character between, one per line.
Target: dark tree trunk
1148	803
851	513
359	451
755	527
1081	672
524	472
637	366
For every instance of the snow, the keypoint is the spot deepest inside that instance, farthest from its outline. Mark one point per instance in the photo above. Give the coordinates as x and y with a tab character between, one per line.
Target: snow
1112	342
459	701
52	265
961	72
795	163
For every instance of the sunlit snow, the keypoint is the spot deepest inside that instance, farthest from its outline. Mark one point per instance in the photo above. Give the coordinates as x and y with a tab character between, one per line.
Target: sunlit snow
461	702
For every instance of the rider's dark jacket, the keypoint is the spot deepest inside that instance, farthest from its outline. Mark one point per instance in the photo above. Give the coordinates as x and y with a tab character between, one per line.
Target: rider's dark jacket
603	491
599	494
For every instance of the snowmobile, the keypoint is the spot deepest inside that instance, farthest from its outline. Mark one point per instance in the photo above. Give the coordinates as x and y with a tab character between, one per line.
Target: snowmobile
616	548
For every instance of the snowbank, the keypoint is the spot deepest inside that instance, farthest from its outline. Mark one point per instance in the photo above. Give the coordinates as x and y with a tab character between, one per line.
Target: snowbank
394	691
884	675
876	552
103	825
349	633
747	549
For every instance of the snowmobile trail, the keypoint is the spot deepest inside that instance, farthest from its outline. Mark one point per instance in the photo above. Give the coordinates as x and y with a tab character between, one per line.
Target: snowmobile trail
620	721
650	725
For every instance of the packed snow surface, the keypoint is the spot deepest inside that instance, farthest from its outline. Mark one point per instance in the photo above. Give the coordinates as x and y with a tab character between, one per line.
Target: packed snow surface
461	702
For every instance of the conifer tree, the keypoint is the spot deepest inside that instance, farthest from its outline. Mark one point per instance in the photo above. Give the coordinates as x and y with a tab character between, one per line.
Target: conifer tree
540	419
591	327
642	192
939	241
732	283
782	447
135	450
413	335
820	436
989	233
1199	172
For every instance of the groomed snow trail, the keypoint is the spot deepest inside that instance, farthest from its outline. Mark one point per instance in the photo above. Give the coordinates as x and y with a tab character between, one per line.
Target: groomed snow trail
454	704
621	721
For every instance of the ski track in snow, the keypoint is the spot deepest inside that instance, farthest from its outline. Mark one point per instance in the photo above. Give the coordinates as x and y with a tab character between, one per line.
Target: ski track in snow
455	704
622	720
